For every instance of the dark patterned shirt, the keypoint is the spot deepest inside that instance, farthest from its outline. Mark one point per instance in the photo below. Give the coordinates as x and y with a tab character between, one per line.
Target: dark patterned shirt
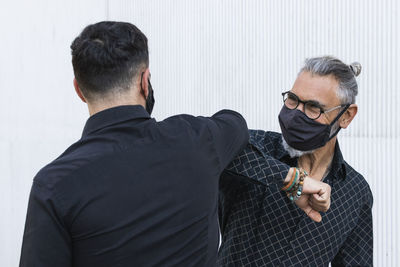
261	227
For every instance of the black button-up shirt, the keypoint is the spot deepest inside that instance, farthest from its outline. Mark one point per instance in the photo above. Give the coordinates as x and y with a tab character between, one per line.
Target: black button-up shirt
261	227
133	192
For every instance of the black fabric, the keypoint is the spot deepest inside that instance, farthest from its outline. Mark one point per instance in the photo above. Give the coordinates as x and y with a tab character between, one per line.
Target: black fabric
133	192
150	101
260	226
303	133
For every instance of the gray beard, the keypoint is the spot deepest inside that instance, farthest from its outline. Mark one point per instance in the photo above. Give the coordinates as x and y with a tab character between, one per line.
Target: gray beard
294	153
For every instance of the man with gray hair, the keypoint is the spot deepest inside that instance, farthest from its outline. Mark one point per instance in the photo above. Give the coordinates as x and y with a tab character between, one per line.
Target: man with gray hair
260	226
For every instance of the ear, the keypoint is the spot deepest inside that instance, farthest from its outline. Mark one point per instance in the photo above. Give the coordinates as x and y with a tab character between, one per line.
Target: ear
348	116
78	91
145	83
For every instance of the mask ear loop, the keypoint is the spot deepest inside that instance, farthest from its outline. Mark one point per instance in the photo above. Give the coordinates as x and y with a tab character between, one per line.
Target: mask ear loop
336	119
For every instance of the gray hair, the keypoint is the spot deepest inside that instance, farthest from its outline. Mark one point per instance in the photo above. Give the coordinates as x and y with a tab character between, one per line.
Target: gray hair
344	74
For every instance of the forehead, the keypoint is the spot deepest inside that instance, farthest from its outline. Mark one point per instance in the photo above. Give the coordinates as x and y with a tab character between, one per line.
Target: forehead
323	89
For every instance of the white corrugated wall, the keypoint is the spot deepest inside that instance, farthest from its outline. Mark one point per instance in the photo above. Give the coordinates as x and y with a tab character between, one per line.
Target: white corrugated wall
204	56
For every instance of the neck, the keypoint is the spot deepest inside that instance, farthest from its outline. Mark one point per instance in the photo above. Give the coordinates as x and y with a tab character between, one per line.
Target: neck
318	162
114	101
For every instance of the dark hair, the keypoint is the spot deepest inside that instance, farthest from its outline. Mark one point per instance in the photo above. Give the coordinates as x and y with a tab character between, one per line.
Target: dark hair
106	56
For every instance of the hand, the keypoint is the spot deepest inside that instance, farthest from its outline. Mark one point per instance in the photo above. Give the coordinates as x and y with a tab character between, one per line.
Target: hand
316	197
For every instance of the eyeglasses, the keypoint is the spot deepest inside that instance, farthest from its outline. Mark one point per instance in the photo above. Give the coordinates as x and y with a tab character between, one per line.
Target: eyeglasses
312	109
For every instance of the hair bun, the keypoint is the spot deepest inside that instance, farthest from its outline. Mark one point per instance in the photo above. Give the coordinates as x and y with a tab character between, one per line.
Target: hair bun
355	68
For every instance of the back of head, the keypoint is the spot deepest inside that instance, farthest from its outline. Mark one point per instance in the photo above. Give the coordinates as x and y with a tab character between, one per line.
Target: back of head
344	74
107	56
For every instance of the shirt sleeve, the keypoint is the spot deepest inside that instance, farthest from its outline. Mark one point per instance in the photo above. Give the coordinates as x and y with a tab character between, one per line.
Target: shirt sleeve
253	165
358	248
46	241
230	135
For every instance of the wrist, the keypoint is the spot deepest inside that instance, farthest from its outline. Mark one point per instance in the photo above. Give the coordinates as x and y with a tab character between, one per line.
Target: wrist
293	185
289	175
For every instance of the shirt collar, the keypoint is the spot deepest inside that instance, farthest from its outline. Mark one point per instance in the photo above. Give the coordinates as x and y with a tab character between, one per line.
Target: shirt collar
338	167
112	116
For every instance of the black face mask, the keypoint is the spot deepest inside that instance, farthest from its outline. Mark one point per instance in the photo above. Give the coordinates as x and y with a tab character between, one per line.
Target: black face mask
150	98
303	133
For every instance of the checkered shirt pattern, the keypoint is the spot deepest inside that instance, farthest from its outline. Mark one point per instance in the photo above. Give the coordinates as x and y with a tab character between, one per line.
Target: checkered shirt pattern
261	227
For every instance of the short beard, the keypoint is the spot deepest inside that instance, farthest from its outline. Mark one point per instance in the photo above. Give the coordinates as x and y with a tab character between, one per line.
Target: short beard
294	153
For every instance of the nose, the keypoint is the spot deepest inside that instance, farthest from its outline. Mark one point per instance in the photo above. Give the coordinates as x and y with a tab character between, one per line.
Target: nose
300	107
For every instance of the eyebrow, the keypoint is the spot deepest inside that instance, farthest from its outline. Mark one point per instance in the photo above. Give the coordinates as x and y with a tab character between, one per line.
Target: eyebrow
314	102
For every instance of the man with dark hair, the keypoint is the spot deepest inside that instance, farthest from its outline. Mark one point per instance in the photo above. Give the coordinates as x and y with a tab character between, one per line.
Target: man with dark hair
132	191
260	226
106	58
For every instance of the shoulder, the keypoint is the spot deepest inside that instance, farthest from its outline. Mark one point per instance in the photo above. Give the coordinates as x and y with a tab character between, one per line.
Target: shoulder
260	136
179	122
266	142
182	128
262	144
66	166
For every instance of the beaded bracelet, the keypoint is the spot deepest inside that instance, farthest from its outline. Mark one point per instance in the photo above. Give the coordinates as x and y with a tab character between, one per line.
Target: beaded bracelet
294	182
291	182
295	193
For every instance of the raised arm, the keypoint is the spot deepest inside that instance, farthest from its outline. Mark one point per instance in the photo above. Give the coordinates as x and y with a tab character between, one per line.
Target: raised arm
255	167
230	135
